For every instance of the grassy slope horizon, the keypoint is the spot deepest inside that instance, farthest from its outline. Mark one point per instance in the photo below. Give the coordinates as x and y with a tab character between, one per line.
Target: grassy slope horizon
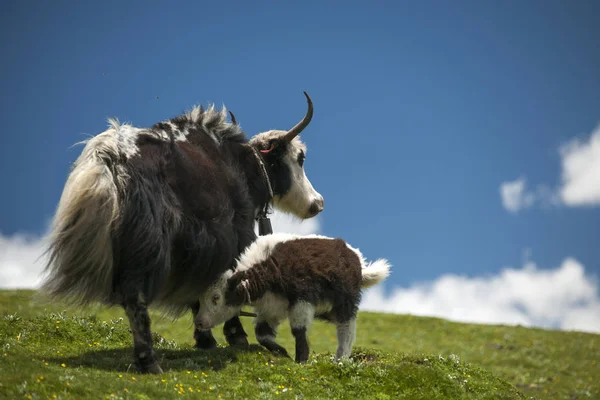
54	351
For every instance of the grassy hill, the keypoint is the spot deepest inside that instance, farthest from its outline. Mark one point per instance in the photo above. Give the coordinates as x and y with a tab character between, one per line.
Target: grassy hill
49	351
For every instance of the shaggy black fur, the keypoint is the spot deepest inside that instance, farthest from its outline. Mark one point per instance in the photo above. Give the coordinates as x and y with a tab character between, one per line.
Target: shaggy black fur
187	194
188	212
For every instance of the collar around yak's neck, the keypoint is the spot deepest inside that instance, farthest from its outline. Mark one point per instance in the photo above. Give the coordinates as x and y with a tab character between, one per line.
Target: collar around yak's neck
264	223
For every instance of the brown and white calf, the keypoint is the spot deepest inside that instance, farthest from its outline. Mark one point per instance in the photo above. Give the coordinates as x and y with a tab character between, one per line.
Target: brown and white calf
297	277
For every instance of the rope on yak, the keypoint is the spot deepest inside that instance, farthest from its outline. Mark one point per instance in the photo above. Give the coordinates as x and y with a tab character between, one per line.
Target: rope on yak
264	222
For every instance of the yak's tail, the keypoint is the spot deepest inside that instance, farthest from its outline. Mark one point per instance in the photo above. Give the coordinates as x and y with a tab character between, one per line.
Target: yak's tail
375	272
80	263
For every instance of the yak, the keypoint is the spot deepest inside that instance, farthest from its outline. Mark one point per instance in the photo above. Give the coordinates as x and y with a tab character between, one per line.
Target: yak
155	215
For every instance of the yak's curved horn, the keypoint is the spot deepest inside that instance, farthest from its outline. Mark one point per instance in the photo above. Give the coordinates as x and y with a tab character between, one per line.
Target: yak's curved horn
233	120
292	133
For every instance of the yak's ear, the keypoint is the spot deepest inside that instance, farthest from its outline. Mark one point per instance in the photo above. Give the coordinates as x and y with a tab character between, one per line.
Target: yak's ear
270	148
273	146
237	289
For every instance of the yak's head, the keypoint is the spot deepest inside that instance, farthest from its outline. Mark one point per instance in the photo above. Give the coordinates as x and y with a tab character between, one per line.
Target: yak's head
284	153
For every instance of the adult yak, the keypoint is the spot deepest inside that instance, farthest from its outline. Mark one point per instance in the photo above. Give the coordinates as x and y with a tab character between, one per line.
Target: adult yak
156	215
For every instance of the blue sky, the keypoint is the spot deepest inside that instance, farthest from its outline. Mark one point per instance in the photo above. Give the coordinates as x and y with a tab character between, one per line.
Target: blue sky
422	111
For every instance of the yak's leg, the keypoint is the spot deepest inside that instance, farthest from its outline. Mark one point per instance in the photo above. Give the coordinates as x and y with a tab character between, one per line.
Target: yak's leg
204	338
265	334
346	334
139	320
233	329
234	332
301	317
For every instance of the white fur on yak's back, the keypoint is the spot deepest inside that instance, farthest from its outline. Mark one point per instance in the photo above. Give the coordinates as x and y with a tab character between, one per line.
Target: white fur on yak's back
375	272
214	122
80	264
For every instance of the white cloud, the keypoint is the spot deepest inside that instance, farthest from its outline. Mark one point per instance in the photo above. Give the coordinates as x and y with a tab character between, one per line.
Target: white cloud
580	179
581	171
514	195
22	261
563	298
282	222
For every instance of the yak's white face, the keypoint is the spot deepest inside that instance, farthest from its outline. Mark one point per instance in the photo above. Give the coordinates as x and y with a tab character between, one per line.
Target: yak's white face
296	195
213	310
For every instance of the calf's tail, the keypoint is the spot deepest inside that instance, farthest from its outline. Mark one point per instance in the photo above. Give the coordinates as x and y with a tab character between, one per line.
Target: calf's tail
80	261
375	272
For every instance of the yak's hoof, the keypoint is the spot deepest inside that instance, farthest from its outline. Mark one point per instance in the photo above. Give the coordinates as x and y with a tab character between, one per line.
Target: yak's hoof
207	344
281	353
205	340
151	369
238	341
155	369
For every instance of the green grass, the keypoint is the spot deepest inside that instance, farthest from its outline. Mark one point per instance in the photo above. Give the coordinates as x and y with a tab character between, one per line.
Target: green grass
50	351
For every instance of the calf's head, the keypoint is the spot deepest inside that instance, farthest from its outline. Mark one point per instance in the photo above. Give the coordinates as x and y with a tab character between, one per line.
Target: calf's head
221	301
284	155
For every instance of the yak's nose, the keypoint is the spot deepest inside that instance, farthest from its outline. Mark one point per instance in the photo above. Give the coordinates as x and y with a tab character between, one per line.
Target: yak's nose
316	206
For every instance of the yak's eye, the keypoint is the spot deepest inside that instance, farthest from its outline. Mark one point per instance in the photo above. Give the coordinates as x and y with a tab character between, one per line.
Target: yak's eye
301	158
215	299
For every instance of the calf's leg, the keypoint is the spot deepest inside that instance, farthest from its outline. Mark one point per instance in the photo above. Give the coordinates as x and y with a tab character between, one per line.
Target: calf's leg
265	334
346	335
301	317
302	348
204	338
139	321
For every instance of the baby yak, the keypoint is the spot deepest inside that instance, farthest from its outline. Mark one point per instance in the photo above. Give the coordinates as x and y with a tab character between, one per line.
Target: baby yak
297	277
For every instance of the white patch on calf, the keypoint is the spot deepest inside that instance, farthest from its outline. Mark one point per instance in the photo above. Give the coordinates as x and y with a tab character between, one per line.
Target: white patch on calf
262	248
213	312
302	315
271	307
346	335
363	261
323	308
